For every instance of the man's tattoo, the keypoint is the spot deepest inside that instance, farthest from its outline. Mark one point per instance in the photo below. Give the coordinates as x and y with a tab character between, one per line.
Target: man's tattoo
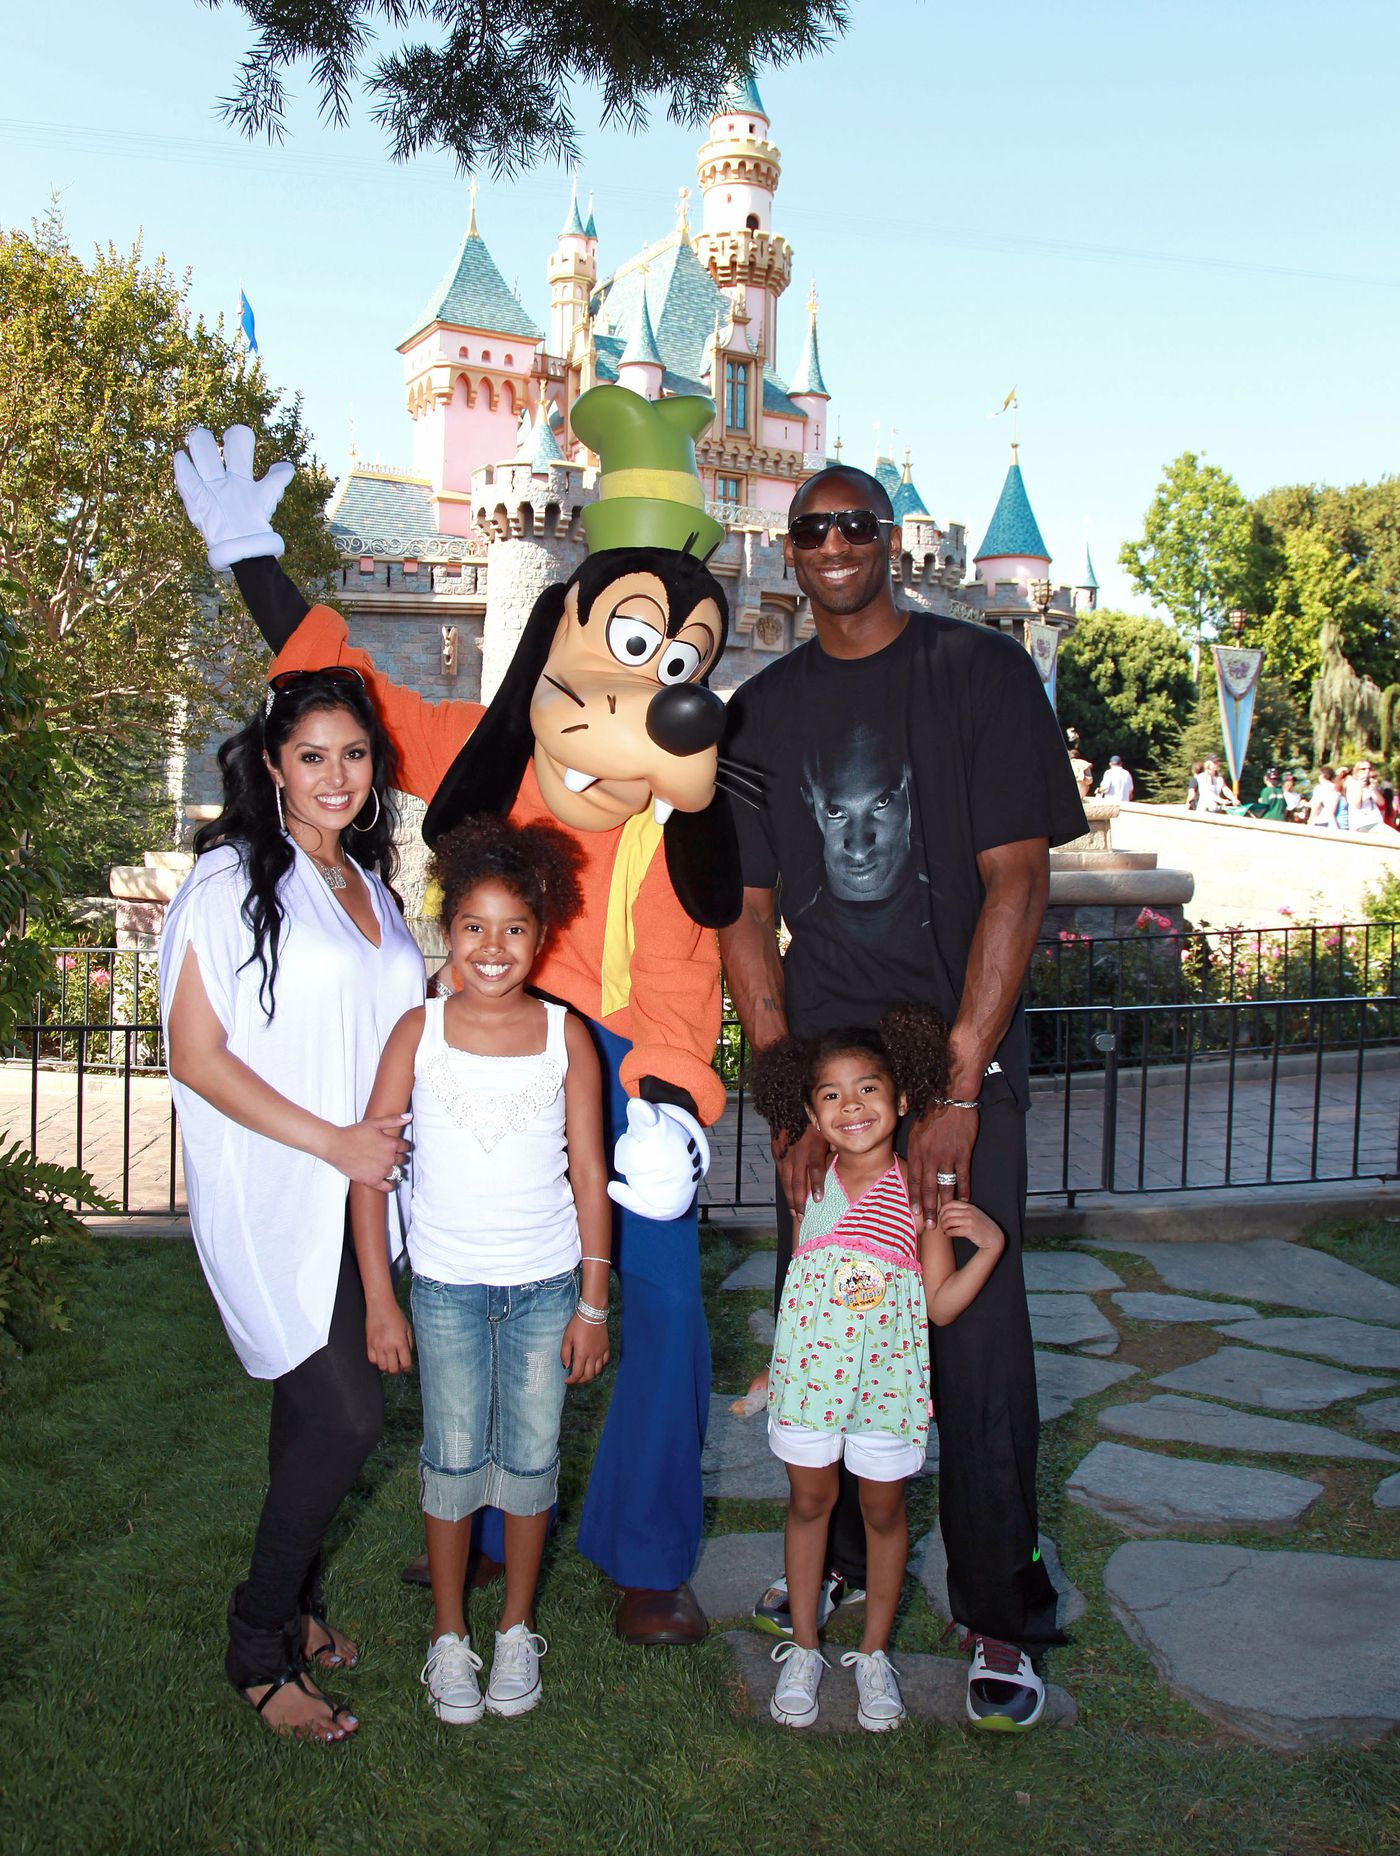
770	1005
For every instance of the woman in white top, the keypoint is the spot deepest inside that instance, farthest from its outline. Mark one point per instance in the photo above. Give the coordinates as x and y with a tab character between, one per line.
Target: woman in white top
1322	807
509	1199
284	964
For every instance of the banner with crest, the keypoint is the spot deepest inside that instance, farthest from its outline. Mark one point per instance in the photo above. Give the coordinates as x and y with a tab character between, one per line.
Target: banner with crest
1237	680
1043	643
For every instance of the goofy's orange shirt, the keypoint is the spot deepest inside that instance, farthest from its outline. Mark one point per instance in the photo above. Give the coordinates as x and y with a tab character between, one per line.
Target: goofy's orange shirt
633	960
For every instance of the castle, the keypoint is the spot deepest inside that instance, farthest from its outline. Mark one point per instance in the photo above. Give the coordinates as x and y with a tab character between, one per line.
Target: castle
443	562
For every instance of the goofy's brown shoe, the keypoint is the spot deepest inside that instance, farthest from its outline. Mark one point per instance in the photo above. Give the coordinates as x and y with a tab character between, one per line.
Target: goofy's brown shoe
645	1616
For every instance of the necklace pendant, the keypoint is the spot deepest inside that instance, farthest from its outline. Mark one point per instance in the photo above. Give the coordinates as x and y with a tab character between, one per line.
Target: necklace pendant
334	875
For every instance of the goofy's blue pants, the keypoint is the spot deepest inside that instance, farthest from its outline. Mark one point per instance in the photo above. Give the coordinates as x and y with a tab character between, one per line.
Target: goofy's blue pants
642	1513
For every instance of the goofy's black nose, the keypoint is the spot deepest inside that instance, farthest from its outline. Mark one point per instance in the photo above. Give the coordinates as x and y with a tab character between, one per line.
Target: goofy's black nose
685	719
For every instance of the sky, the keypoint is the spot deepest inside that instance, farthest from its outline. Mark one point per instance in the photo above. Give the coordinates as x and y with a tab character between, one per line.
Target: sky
1169	228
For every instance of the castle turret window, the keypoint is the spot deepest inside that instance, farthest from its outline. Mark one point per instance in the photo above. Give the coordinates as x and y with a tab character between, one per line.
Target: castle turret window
736	395
729	489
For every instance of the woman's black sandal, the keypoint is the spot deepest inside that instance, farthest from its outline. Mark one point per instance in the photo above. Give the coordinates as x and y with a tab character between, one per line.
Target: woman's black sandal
253	1651
293	1676
325	1655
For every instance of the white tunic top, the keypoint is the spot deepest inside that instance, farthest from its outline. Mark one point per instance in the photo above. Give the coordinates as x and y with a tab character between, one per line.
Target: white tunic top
269	1220
491	1196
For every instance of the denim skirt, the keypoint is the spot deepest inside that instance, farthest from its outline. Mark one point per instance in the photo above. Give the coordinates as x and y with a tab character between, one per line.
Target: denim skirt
493	1390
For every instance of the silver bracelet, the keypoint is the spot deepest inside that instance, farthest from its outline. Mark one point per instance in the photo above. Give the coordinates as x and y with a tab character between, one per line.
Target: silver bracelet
953	1102
597	1316
607	1260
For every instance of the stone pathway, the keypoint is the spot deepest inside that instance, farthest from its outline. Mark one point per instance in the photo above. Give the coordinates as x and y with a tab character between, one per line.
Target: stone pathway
1208	1615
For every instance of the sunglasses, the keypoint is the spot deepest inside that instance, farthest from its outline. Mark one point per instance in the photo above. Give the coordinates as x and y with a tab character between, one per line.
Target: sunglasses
861	526
293	679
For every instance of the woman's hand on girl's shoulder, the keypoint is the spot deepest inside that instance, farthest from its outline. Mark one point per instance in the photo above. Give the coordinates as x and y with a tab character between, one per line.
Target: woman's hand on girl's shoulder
584	1351
388	1337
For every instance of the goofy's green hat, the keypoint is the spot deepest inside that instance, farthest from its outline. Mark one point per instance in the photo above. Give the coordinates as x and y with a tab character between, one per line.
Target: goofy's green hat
649	491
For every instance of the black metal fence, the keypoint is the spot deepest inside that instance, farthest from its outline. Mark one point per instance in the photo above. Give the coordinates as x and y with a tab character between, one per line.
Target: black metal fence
1142	1088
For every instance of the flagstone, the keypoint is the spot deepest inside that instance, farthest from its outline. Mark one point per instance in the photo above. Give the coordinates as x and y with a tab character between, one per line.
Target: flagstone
1145	1493
1266	1269
1382	1414
1066	1320
1168	1419
1062	1379
934	1688
734	1570
1277	1381
1148	1305
1281	1646
1062	1271
757	1271
1387	1494
1333	1337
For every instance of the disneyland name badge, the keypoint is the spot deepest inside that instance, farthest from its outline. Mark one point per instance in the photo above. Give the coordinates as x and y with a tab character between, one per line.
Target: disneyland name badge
857	1285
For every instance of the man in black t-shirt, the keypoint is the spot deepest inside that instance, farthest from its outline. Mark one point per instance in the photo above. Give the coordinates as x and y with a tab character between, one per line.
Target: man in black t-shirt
913	780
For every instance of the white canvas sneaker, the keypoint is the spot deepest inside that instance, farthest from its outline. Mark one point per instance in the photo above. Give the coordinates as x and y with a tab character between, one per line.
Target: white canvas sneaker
879	1704
515	1686
449	1675
794	1702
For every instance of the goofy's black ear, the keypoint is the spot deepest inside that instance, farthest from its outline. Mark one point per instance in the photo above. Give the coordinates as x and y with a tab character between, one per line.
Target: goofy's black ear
702	857
486	775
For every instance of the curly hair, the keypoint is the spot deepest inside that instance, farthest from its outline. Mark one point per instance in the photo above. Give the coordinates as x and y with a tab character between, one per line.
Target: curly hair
249	817
538	863
910	1046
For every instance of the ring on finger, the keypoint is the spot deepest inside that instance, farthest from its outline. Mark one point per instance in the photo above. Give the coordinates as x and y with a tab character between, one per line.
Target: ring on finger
394	1175
946	1179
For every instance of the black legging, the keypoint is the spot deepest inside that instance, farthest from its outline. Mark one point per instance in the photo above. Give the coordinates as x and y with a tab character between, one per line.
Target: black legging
327	1416
988	1422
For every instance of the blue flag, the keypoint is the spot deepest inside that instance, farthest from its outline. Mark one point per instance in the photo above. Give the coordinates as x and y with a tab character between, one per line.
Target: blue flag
245	322
1237	674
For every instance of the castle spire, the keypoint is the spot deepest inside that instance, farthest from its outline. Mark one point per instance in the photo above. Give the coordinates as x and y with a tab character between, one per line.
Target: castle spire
573	225
808	377
1014	533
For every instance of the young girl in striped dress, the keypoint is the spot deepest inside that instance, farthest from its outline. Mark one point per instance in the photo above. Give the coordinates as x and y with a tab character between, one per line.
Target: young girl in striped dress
850	1370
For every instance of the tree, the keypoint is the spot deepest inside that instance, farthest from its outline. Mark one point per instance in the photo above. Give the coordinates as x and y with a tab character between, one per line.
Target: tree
102	372
1125	683
494	86
1196	555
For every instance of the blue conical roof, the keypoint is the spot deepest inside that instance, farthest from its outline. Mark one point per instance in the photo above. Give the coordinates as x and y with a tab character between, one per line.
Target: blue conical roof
573	225
472	294
808	378
541	448
591	229
886	474
906	499
641	343
1086	573
1013	529
740	95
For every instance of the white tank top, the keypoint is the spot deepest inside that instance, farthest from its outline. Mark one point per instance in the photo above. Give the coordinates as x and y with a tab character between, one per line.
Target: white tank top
491	1197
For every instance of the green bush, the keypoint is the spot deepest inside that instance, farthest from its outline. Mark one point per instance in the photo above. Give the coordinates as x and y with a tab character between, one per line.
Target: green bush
1381	903
33	1194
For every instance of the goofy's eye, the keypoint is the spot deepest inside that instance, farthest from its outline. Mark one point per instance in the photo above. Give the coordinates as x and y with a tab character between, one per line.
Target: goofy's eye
679	662
631	641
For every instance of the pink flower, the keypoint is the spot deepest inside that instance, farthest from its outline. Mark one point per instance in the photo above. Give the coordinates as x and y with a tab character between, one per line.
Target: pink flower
1283	909
66	963
99	976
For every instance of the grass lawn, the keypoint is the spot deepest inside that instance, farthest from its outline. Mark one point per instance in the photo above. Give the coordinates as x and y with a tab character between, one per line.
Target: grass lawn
130	1472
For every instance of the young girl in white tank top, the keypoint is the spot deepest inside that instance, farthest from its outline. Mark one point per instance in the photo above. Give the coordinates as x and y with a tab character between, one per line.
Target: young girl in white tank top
509	1199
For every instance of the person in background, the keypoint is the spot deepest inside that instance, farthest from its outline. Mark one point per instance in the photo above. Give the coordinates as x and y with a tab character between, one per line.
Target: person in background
1193	785
1271	803
1363	799
1083	770
1322	807
1295	802
1390	807
1117	782
1216	791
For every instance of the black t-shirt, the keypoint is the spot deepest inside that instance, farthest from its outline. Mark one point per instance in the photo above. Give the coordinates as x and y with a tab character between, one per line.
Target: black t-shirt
884	777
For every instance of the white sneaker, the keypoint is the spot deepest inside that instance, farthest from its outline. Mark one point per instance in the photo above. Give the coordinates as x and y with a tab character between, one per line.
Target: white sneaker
515	1687
449	1675
1004	1694
794	1702
879	1704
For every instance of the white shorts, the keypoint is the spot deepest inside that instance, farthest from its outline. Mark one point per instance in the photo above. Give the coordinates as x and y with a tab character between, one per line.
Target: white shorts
879	1456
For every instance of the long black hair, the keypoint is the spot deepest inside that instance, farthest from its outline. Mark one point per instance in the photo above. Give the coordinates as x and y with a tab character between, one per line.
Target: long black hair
249	820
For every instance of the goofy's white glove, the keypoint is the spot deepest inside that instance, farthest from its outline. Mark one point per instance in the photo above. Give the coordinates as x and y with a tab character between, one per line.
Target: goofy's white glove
230	507
662	1157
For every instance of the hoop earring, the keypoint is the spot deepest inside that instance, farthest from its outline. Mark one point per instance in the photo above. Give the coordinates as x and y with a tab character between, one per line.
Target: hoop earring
355	824
281	819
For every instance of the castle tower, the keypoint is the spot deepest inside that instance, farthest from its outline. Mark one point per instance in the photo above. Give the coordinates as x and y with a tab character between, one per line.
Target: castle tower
808	389
1086	587
573	271
468	360
641	367
1012	549
906	499
738	171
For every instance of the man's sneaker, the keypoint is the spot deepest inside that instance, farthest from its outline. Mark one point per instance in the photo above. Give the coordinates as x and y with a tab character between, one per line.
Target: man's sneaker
879	1704
794	1702
514	1687
771	1611
449	1675
1004	1694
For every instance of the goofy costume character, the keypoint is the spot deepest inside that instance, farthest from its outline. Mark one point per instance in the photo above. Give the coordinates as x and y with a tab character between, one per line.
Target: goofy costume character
604	725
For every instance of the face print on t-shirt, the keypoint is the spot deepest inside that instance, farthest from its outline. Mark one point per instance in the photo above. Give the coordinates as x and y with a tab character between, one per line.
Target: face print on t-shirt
858	789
